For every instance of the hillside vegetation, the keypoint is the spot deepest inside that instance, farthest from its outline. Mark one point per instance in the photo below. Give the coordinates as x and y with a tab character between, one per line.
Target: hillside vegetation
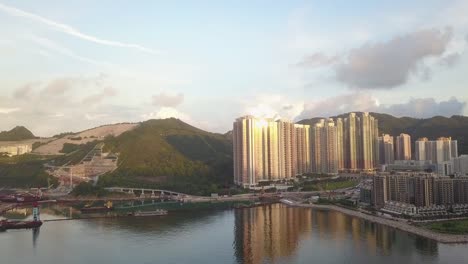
432	128
17	133
170	154
24	171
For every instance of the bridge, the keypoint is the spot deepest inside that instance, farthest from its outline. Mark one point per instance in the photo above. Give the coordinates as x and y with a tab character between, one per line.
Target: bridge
154	193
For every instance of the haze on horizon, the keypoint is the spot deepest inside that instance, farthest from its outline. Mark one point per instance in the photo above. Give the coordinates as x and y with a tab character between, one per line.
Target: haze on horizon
69	66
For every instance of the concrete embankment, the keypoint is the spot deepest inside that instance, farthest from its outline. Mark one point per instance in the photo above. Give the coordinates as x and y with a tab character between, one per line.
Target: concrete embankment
398	224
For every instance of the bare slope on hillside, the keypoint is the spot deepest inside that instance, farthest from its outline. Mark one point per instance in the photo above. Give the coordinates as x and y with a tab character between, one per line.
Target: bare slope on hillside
98	133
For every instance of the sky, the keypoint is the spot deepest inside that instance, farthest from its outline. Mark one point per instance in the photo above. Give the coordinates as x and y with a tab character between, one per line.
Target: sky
73	65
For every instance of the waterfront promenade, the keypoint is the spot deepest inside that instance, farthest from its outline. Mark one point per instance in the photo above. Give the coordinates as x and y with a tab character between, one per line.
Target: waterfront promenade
399	224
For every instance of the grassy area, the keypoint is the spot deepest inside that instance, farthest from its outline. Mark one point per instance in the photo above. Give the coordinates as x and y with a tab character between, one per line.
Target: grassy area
328	185
459	227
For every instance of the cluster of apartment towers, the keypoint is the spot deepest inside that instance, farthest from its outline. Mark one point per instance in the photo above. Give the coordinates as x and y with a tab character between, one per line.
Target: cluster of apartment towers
272	150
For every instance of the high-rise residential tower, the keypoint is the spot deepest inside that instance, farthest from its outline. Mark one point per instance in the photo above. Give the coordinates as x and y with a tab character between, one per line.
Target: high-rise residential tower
302	148
386	149
352	142
324	147
438	151
268	150
403	147
287	149
369	157
340	139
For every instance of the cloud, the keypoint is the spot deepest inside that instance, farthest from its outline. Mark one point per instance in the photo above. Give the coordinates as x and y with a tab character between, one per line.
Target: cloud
317	59
24	91
466	38
339	104
167	112
58	87
359	101
450	60
426	107
64	28
390	64
273	106
9	110
99	97
167	100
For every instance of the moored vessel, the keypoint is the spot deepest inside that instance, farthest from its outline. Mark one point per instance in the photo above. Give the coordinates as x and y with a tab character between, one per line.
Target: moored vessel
157	212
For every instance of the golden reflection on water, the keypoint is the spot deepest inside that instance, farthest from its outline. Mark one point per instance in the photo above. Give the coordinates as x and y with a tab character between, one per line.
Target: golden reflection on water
270	233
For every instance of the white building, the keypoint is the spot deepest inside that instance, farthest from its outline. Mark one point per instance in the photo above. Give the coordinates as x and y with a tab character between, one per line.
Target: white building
460	165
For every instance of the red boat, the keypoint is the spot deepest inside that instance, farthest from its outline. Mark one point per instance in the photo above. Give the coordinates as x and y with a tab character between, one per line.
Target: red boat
36	222
21	198
5	224
8	198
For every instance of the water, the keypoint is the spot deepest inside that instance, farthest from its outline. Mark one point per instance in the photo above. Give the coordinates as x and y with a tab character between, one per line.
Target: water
270	234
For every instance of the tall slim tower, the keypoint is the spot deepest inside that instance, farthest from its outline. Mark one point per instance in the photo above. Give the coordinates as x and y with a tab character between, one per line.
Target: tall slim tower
369	141
302	148
244	151
324	147
403	147
420	149
352	142
340	139
286	149
386	149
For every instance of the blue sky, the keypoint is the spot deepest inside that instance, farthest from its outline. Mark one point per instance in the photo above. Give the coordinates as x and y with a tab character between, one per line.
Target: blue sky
74	65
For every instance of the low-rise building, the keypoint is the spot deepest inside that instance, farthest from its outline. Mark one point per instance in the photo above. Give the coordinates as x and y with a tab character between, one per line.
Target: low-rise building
14	149
460	165
411	165
433	210
365	195
460	208
399	208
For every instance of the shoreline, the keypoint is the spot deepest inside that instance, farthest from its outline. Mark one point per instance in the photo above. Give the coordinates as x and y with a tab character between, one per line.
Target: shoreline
403	226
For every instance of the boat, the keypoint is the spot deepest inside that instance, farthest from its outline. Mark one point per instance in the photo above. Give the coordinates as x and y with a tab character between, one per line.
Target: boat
157	212
7	224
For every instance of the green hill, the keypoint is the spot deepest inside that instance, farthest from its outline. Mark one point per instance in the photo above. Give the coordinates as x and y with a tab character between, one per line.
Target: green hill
17	133
168	153
432	128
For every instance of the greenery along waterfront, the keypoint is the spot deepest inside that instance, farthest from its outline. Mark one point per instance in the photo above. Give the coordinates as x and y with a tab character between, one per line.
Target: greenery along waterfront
459	227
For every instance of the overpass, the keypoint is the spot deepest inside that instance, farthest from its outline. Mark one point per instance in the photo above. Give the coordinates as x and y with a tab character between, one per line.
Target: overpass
155	193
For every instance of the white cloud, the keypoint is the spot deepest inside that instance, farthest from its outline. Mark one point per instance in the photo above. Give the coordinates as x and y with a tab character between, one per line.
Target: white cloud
99	97
9	110
272	106
390	64
355	102
167	112
72	31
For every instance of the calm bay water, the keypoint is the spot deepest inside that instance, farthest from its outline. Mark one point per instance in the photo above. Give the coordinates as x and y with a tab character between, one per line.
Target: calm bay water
269	234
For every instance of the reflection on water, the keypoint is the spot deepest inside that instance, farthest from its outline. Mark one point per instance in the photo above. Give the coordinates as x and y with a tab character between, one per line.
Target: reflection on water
275	232
35	235
267	234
